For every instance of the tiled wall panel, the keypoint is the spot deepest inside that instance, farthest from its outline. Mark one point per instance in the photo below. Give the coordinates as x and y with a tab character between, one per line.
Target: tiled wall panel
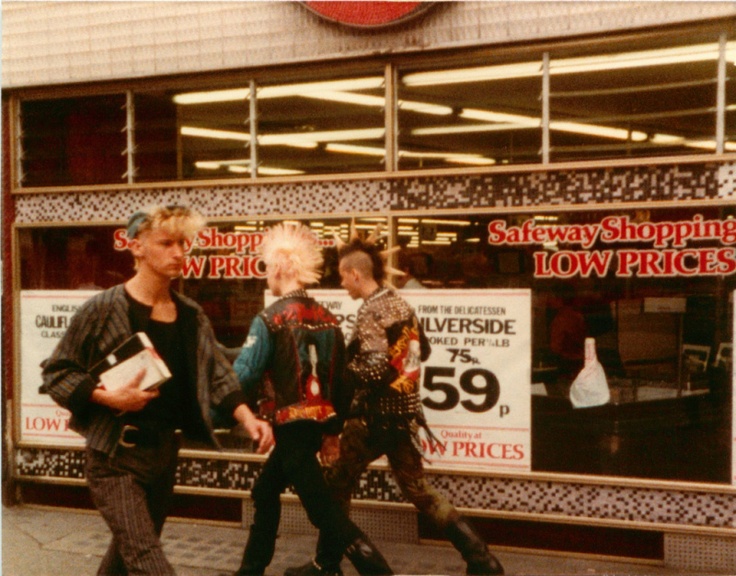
558	499
61	42
503	190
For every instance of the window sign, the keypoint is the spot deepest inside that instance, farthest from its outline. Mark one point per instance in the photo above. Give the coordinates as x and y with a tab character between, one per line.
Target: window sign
476	382
669	248
44	318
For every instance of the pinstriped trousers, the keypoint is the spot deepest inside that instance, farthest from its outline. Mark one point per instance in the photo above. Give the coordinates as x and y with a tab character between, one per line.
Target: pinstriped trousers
133	491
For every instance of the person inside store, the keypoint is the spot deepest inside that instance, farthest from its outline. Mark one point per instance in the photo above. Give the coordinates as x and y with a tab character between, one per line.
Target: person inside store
293	360
414	267
384	354
131	433
568	331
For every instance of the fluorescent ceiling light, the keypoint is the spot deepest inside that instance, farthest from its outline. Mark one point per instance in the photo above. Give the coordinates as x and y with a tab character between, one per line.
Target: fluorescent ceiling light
280	91
327	136
669	139
296	139
602	131
476	74
212	96
353	149
214	134
468	129
677	55
241	167
434	221
379	102
490	116
474	159
471	159
425	108
531	122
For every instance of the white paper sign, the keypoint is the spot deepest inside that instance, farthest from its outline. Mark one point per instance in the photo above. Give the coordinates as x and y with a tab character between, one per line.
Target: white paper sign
476	385
44	318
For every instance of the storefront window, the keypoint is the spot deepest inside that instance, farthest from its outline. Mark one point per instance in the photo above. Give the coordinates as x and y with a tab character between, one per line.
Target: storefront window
654	289
314	127
73	141
640	102
470	116
636	97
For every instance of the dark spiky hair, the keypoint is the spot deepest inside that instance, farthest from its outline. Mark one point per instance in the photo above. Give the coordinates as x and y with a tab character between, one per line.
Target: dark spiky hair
369	246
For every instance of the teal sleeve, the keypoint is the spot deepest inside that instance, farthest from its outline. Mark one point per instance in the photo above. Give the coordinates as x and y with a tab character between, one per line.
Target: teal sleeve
253	359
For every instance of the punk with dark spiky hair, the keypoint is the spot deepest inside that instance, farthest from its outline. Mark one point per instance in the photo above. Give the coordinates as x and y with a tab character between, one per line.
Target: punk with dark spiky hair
366	255
385	351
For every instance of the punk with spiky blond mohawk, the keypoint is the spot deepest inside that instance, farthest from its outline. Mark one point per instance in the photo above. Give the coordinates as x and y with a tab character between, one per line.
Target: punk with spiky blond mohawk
296	250
380	269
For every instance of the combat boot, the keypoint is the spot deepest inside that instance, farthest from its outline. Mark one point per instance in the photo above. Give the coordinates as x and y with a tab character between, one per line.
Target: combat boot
366	558
480	562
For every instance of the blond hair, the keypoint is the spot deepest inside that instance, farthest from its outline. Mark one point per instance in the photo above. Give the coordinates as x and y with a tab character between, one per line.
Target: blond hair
173	219
176	220
295	250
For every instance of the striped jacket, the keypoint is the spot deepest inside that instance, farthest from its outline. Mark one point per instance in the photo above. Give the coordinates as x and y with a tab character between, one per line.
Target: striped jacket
103	323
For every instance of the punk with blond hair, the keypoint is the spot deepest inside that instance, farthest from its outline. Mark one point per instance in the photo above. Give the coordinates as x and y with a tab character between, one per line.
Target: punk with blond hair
293	362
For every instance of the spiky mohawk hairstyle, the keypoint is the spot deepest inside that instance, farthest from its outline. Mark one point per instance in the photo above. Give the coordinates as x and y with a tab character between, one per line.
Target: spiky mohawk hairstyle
369	246
296	250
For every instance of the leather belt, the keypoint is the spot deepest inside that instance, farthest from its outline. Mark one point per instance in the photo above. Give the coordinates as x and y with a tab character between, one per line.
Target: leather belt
132	436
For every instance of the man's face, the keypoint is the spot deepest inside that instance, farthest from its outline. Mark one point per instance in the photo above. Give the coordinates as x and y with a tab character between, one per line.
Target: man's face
350	281
160	252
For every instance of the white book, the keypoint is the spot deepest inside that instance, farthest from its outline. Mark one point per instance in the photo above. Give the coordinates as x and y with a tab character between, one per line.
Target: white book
122	364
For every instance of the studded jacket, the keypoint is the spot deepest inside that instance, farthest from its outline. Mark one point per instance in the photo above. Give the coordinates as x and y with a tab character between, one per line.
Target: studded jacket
293	361
384	355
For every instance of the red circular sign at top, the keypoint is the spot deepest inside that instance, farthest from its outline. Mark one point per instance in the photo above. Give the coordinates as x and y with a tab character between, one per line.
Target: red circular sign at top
367	14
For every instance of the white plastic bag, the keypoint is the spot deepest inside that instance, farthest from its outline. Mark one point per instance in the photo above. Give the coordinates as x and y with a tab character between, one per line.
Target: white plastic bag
590	387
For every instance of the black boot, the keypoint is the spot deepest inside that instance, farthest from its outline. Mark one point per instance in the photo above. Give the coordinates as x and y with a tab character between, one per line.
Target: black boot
366	558
474	551
311	568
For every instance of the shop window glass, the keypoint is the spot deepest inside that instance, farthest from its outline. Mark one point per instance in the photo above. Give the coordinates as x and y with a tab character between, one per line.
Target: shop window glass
659	308
314	127
643	101
71	258
73	141
661	315
470	116
155	154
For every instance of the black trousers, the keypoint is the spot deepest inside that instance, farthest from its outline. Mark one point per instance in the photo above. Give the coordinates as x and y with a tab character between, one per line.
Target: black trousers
133	492
294	462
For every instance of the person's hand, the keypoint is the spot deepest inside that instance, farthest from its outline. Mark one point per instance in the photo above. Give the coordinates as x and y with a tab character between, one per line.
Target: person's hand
259	430
330	450
126	398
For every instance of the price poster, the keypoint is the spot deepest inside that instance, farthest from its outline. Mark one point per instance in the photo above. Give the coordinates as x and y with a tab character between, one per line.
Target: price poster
476	384
44	318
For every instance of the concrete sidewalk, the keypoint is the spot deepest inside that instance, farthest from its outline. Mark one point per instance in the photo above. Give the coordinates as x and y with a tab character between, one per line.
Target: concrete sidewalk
51	542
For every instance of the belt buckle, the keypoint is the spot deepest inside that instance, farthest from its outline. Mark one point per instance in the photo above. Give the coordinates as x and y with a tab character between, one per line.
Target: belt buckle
127	428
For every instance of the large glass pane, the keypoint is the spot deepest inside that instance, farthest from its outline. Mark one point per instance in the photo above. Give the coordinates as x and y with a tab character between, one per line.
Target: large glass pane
73	141
659	308
317	127
643	101
322	127
470	116
155	155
